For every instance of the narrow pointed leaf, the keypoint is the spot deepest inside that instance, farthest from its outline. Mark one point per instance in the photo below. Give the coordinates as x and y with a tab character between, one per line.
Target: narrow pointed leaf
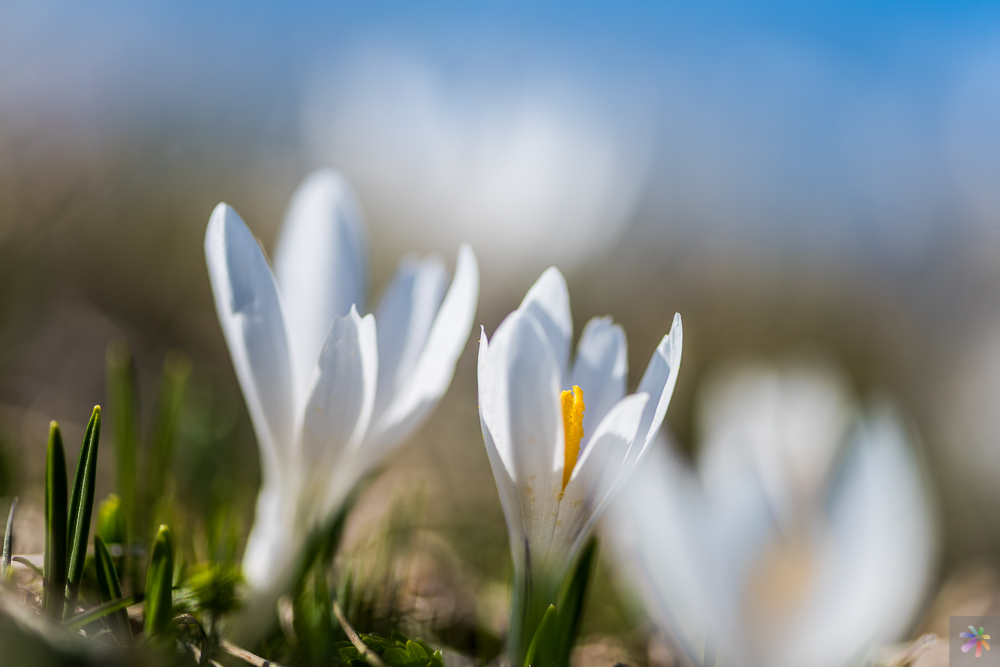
55	525
110	589
31	566
539	649
159	585
176	370
123	395
89	617
571	604
8	546
81	506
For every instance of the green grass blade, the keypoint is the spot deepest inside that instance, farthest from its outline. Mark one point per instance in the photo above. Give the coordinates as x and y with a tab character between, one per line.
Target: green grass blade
176	370
81	506
159	587
8	546
110	588
31	566
89	617
54	594
123	395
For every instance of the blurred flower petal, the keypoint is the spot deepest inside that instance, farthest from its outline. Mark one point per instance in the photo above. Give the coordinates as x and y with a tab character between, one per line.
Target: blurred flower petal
430	377
878	561
250	312
405	315
321	265
338	412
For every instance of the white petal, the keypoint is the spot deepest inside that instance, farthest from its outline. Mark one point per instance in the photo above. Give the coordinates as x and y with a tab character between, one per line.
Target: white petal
502	465
658	381
519	404
272	545
269	563
250	312
600	369
433	371
548	301
788	421
598	468
405	315
321	265
879	561
339	409
659	531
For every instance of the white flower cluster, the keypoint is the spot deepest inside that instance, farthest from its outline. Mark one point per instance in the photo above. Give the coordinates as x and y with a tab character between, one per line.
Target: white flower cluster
332	391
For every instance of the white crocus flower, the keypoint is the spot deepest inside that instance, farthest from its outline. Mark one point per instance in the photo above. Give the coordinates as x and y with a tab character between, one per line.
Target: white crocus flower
557	464
806	536
328	393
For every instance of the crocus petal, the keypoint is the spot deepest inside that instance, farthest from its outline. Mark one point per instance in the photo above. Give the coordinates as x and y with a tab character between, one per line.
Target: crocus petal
339	410
433	371
405	315
659	531
658	381
877	564
600	369
272	544
790	421
502	465
321	265
250	312
599	466
519	405
548	301
269	562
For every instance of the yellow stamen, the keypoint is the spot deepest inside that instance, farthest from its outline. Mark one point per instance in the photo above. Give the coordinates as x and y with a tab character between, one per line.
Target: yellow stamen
572	409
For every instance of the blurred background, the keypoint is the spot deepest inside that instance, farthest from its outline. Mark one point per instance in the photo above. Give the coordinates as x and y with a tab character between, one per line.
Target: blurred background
816	178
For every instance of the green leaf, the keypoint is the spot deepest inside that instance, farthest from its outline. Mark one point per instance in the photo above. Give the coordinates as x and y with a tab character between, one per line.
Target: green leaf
378	644
542	641
395	657
111	524
571	603
123	396
159	585
31	566
110	589
416	652
81	506
176	370
89	617
348	654
557	632
430	650
8	546
55	525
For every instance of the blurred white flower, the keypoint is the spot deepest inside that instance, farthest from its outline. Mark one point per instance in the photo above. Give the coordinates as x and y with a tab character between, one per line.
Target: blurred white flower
557	464
770	554
532	170
328	394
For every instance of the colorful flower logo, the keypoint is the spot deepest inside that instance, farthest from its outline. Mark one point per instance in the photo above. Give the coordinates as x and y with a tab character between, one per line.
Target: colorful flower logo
977	639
